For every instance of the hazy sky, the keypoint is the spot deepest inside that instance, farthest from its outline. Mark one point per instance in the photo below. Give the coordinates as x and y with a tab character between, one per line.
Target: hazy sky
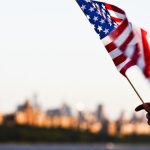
49	47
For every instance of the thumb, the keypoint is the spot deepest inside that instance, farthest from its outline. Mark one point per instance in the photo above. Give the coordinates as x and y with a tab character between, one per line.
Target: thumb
139	108
145	106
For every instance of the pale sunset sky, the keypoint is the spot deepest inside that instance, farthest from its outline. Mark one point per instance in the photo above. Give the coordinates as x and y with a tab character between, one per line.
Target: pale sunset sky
48	47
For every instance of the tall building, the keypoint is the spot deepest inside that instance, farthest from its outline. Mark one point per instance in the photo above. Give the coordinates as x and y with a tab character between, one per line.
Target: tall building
27	114
102	117
65	110
82	123
123	119
81	116
101	114
62	117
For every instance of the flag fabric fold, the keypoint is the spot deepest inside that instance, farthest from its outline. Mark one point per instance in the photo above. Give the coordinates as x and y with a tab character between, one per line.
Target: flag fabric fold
144	43
127	45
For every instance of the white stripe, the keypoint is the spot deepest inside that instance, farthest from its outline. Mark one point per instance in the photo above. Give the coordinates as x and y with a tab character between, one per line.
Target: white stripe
141	63
133	41
117	15
129	52
123	36
107	40
121	66
115	53
130	49
138	36
137	33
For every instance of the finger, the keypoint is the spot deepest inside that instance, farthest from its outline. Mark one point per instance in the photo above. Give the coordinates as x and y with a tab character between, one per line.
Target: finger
148	115
146	106
140	107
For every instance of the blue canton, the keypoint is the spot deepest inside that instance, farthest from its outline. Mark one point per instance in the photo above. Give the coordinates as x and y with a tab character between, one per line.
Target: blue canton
98	16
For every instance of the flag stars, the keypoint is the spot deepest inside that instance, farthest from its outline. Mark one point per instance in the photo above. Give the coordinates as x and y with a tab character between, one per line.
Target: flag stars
103	6
98	12
102	21
83	7
95	18
93	5
91	9
97	6
110	23
99	28
106	31
109	20
98	16
104	15
103	10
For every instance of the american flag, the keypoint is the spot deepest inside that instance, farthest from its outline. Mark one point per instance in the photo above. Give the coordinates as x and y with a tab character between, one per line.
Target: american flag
125	43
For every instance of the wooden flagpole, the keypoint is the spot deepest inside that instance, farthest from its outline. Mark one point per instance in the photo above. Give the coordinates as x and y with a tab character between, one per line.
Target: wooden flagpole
135	90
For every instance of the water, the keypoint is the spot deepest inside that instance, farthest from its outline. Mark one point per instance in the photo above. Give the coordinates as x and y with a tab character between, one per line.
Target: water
72	147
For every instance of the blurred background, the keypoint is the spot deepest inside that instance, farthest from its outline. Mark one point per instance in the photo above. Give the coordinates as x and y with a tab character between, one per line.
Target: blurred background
59	85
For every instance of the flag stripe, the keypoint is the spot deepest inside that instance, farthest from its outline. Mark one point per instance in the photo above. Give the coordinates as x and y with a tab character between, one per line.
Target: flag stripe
115	53
127	41
146	49
119	30
135	55
117	19
114	8
126	65
129	51
110	47
120	59
125	44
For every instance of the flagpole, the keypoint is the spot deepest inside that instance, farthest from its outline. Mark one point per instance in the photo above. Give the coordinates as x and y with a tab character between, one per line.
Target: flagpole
135	90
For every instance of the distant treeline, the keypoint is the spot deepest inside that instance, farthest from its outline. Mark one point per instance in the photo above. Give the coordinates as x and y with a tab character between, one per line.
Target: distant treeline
26	134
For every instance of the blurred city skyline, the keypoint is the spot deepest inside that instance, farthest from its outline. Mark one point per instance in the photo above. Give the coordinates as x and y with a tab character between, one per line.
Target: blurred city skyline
72	110
96	121
49	48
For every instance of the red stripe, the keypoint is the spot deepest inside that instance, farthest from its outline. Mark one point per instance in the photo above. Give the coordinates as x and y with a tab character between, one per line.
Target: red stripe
127	41
114	8
119	30
146	49
117	19
120	59
110	47
124	69
136	54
